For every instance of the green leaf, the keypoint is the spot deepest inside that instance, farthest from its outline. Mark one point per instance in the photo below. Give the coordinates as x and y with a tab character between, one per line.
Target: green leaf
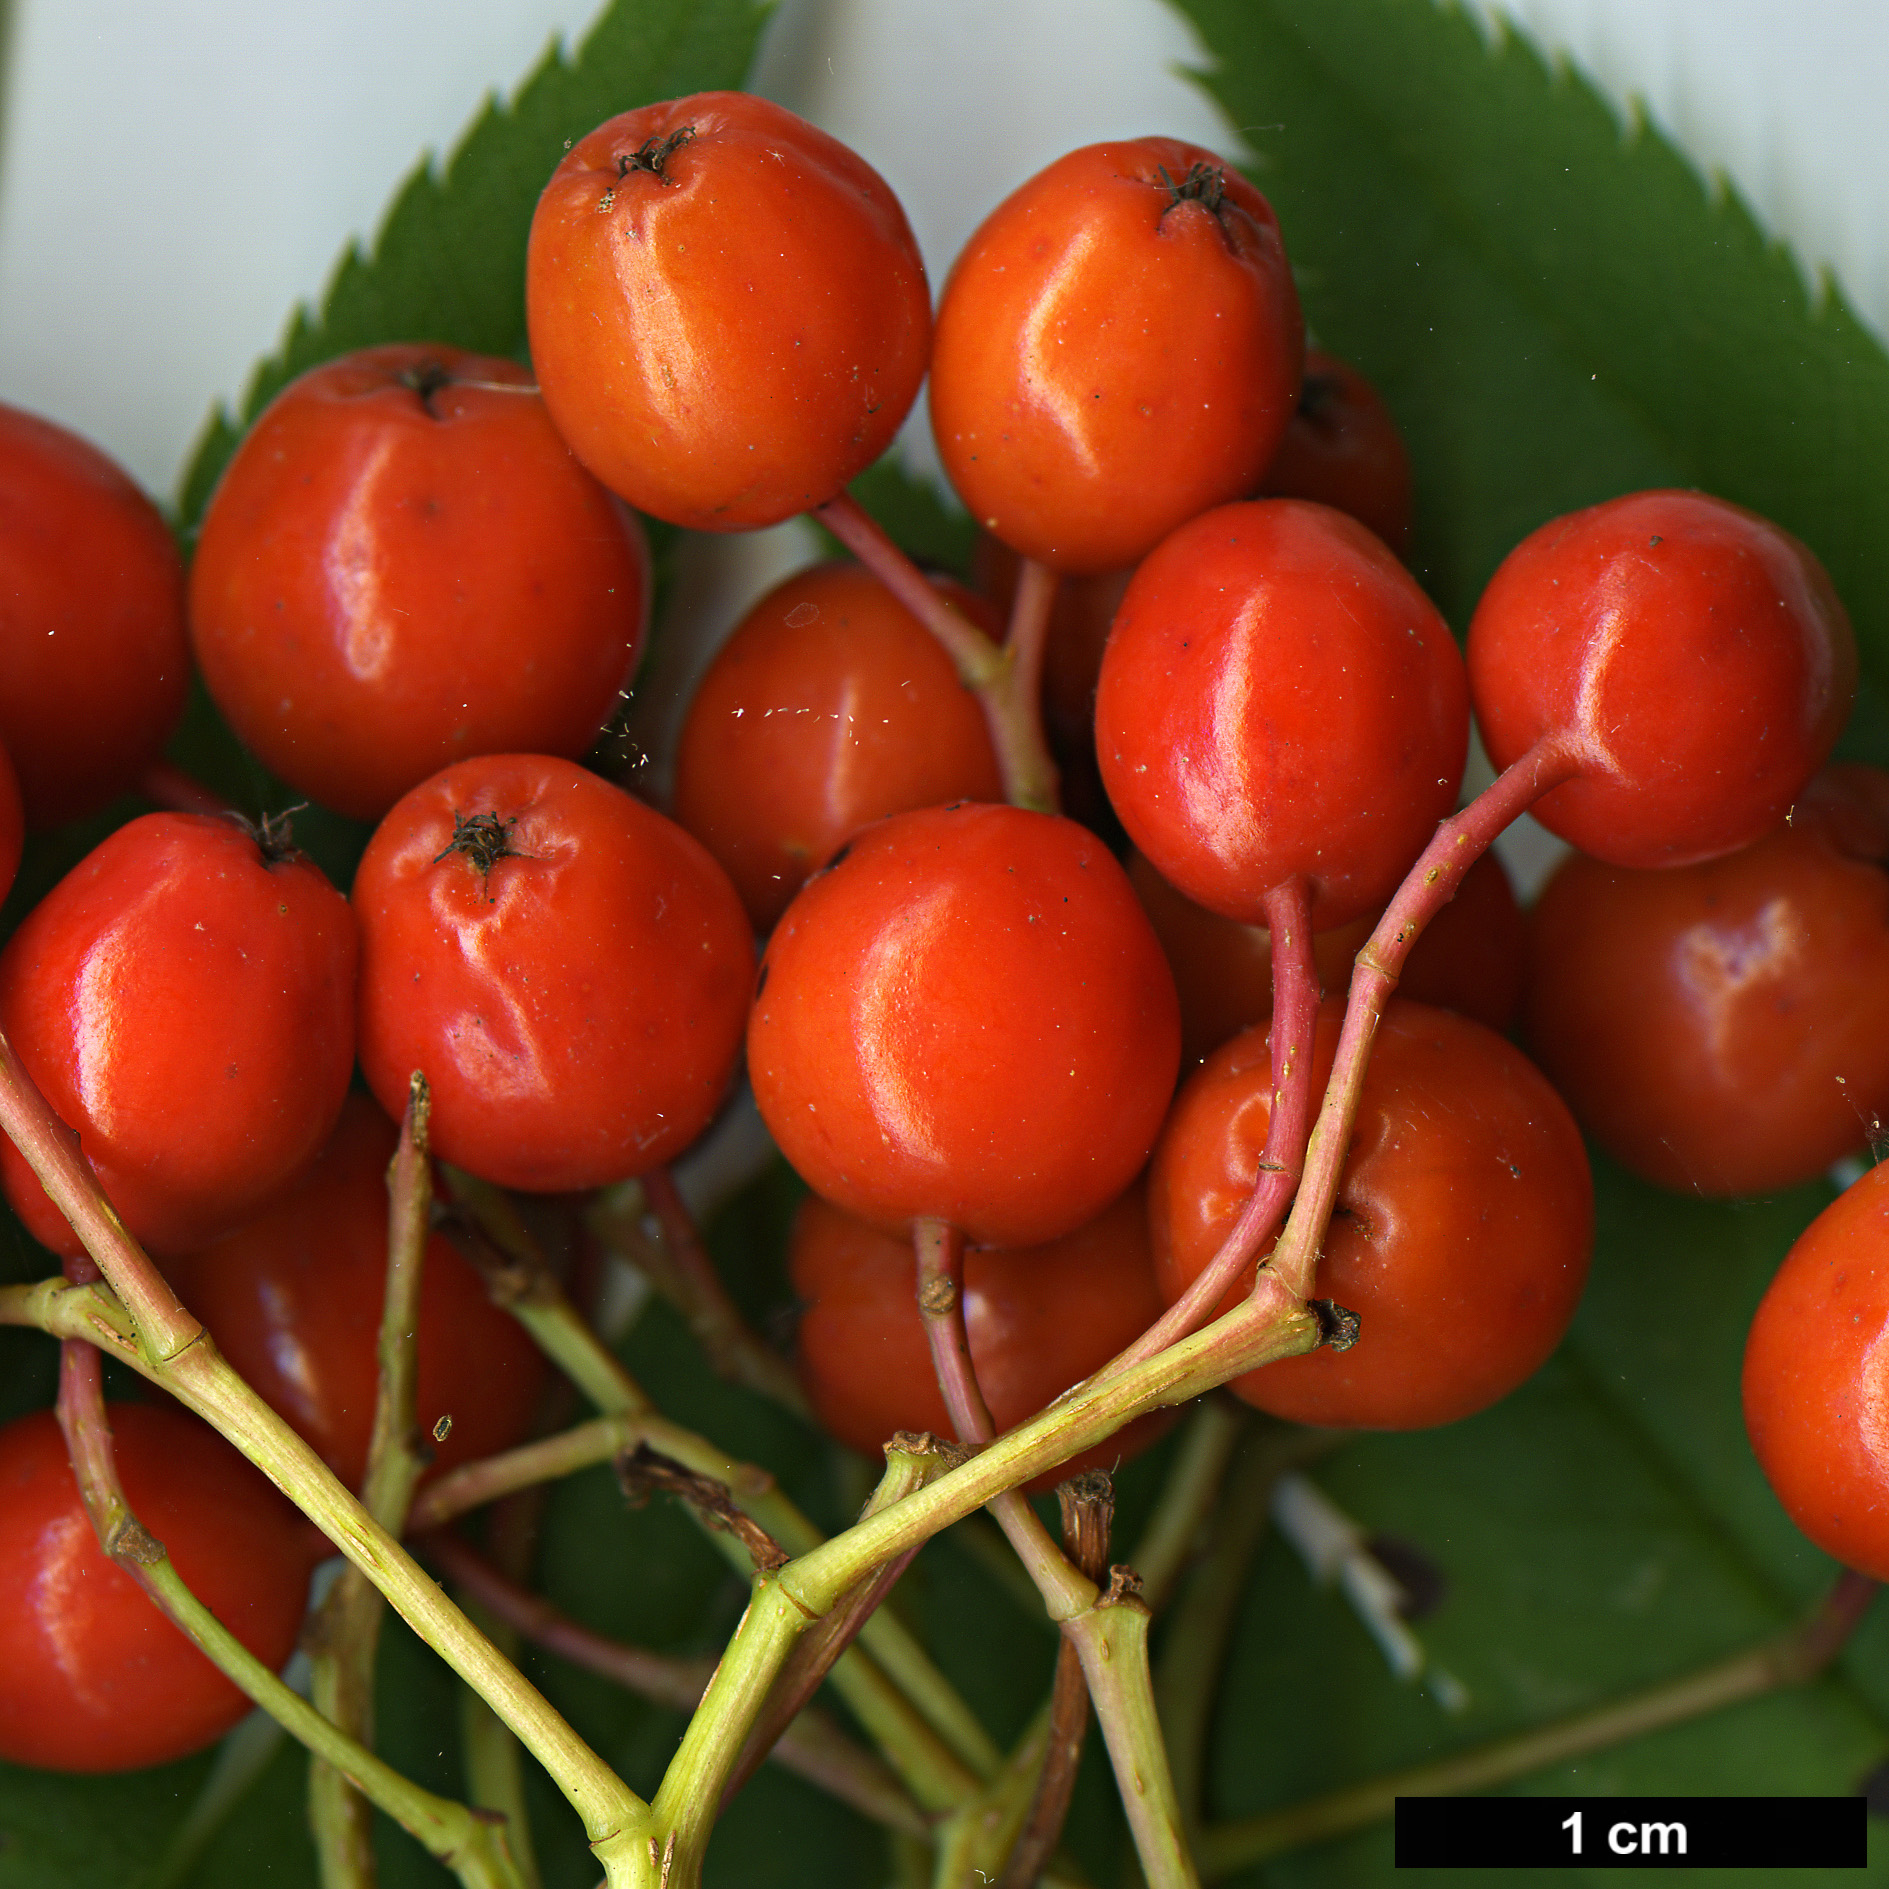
449	262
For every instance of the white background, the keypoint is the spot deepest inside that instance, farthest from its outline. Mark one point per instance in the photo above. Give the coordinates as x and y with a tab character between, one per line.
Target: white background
176	174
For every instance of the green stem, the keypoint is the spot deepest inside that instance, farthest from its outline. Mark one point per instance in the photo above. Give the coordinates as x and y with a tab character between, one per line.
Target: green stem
474	1850
1112	1638
924	1725
974	1841
939	1252
494	1759
345	1636
821	1647
1088	1513
613	1815
812	1747
1269	1324
685	1805
1791	1659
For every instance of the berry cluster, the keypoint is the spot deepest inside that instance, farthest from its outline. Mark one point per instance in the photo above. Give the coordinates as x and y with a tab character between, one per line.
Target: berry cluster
418	593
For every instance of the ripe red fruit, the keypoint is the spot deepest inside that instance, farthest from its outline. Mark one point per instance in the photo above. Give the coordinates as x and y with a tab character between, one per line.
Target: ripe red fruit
1278	697
1461	1235
1691	655
1343	448
1118	348
293	1300
403	566
829	707
966	1017
728	312
1813	1378
93	662
1039	1320
1723	1028
570	970
92	1676
184	998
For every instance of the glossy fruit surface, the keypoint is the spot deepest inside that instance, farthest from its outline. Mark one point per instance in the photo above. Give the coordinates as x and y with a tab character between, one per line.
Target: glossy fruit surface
1723	1028
829	707
1279	697
570	969
1118	348
1692	654
293	1300
1342	448
184	998
1462	1232
1471	957
403	566
94	665
966	1017
1813	1379
728	313
92	1676
1039	1319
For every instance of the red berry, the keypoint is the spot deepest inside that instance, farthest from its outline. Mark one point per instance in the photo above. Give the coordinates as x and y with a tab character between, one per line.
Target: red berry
403	566
184	998
1039	1320
966	1017
729	315
92	1676
1278	697
829	707
1723	1028
1814	1368
570	970
1343	448
1691	655
1461	1236
1118	348
93	662
293	1300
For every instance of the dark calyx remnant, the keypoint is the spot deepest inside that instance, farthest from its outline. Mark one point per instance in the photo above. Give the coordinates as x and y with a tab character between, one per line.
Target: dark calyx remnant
653	153
426	378
1204	184
484	839
274	833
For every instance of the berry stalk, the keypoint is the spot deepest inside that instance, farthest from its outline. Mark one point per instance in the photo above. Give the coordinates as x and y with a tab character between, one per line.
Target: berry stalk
1294	1019
940	1255
472	1848
344	1636
1430	884
896	1690
812	1746
1006	680
156	1336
